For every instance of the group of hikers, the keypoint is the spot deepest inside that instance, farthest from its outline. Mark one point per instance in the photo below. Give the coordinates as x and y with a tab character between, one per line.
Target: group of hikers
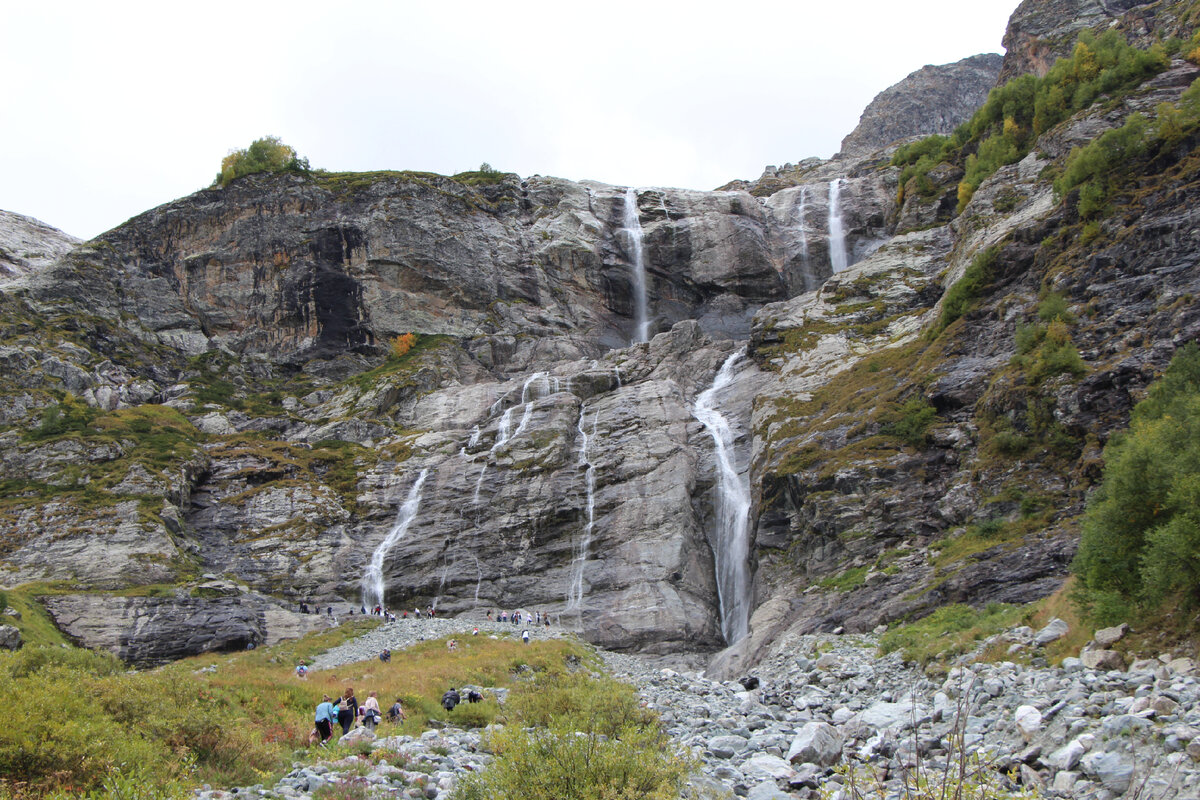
347	712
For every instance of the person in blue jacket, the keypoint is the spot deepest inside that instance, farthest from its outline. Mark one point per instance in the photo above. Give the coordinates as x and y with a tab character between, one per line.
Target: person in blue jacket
325	717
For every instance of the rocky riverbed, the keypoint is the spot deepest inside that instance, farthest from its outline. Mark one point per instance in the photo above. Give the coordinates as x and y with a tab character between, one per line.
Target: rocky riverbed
826	706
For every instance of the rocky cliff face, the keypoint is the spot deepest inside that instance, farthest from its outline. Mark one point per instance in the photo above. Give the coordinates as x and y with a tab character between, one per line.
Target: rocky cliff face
27	245
934	99
208	391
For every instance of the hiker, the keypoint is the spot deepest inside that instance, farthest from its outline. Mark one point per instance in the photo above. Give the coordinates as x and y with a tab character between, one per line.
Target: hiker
489	616
326	714
450	699
304	608
525	636
474	696
371	714
386	655
364	610
301	671
475	632
546	617
396	712
452	645
348	711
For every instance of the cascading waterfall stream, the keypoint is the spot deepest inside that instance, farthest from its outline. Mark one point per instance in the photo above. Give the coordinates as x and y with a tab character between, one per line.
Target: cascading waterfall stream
634	246
801	213
372	582
731	548
837	234
579	558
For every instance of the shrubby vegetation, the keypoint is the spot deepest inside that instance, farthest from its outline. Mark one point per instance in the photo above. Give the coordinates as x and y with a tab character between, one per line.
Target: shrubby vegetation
1005	128
80	723
1101	168
579	737
267	154
967	289
1140	545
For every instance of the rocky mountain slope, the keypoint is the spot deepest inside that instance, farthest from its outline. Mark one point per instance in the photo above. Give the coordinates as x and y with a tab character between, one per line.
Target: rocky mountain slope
204	420
27	245
934	99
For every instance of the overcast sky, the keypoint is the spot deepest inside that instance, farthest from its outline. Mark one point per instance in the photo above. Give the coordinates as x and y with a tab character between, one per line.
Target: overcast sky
112	108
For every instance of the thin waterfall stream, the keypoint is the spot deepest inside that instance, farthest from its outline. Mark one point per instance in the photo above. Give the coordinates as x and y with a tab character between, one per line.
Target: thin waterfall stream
631	227
731	537
373	588
838	260
579	557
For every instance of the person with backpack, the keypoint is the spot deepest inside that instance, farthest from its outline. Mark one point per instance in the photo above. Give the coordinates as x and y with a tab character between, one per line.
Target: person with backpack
396	712
371	713
348	711
450	699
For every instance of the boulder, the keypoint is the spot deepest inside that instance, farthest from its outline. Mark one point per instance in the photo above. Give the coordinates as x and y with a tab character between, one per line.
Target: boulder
816	743
1107	637
1055	629
1102	659
357	735
1029	721
1113	770
1066	757
10	637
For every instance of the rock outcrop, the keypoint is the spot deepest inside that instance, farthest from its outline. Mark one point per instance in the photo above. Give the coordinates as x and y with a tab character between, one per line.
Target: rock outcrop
933	99
146	631
27	245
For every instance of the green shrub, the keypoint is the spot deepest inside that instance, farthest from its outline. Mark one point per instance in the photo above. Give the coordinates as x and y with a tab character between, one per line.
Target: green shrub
1054	306
1056	356
545	764
71	415
267	154
1140	539
1004	129
967	289
910	423
1098	168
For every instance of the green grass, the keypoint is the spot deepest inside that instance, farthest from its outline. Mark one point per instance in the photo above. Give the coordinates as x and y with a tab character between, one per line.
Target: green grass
241	723
950	631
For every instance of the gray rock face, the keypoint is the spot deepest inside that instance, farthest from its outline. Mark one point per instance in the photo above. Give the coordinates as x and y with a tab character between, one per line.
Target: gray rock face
934	99
27	245
145	631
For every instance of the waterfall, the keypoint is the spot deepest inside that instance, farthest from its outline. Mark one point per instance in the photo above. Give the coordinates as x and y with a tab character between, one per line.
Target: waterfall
632	228
837	235
731	547
372	582
801	211
579	558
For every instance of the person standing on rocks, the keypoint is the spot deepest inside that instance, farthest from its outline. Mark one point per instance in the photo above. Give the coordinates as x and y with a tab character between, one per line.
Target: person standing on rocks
371	713
348	711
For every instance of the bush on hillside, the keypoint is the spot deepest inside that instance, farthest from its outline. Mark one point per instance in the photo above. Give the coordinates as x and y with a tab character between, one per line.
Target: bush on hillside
1006	126
267	154
1141	532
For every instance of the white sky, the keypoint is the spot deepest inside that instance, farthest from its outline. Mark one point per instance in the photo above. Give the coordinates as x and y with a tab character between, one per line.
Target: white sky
111	108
